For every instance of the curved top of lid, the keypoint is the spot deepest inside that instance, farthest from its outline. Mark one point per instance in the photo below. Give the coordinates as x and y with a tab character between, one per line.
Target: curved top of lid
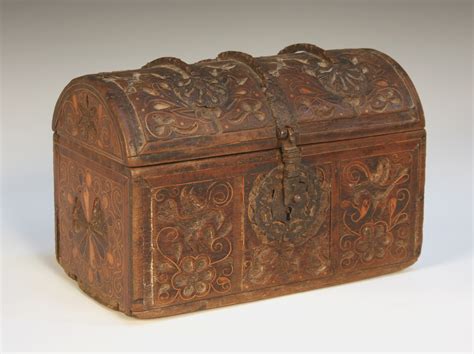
172	111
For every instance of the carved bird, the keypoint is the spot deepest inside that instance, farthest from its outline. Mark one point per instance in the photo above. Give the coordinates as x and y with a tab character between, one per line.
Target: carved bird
374	191
199	224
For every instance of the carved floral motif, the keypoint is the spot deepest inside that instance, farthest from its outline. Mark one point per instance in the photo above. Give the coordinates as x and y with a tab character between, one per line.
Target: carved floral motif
90	224
86	119
249	109
201	88
90	231
195	277
375	218
193	241
385	99
287	247
205	99
353	84
343	78
374	240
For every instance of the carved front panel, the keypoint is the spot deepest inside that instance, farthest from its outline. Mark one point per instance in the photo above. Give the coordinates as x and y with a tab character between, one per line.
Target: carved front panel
376	211
286	243
193	241
238	231
90	212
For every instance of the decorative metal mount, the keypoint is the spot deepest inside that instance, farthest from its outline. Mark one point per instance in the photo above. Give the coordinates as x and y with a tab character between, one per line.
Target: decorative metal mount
283	203
291	159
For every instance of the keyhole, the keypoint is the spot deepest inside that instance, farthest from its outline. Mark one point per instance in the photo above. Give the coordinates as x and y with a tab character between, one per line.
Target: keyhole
288	213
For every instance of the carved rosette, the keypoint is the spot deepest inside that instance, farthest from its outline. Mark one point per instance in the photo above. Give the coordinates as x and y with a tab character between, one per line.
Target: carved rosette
90	222
292	241
192	241
90	229
344	78
375	211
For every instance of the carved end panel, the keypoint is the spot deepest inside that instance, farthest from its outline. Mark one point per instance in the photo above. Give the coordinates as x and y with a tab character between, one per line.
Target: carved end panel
376	211
90	228
193	239
84	117
287	242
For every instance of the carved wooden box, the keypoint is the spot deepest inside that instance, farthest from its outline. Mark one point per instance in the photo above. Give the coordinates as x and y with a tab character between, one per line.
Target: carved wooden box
184	187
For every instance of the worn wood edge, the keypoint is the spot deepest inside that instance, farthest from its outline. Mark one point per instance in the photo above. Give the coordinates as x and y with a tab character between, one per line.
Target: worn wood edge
121	175
271	292
323	147
418	239
248	296
408	83
94	295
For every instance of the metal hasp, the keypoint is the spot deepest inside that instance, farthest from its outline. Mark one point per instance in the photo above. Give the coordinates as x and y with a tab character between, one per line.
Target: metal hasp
291	159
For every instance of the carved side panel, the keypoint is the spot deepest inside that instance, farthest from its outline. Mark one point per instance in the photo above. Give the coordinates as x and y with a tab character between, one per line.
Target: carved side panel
193	242
376	211
86	119
90	212
287	244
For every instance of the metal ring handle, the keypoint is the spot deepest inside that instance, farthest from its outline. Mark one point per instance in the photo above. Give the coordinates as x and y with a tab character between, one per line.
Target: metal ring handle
168	61
308	48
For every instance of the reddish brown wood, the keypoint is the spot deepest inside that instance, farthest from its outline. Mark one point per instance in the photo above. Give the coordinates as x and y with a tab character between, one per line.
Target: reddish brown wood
183	187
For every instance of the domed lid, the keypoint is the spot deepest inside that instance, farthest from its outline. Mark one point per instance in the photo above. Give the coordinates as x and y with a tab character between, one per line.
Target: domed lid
172	111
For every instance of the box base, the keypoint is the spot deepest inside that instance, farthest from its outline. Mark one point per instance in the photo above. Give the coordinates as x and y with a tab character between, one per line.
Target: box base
249	296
